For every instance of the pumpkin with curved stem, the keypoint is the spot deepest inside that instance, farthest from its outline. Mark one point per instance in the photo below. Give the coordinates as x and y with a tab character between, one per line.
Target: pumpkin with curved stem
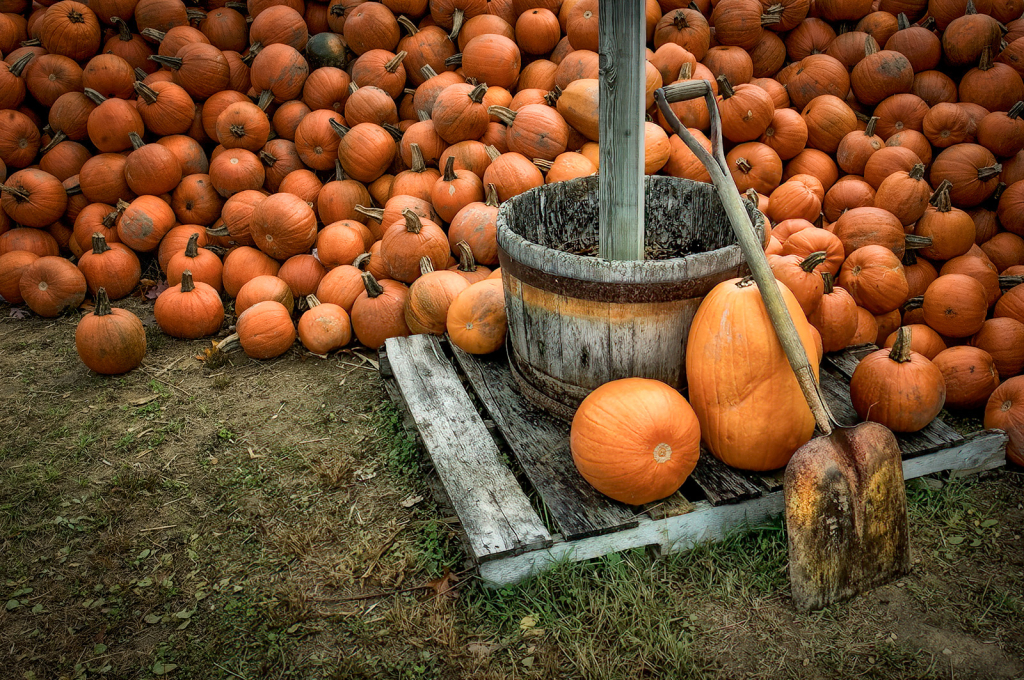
378	313
857	147
918	44
278	74
243	264
470	155
204	265
418	180
111	122
685	27
476	224
452	14
906	194
874	276
972	171
746	110
430	296
970	376
630	455
966	36
804	243
151	168
131	47
755	166
176	240
459	113
454	190
886	161
405	242
898	388
535	131
992	85
341	286
96	218
199	68
12	266
435	83
265	330
836	316
51	286
924	340
324	327
110	341
467	267
144	222
33	198
511	174
733	310
261	288
851	47
800	276
109	75
476	320
951	229
1003	412
113	267
426	46
316	140
955	305
1003	133
1003	339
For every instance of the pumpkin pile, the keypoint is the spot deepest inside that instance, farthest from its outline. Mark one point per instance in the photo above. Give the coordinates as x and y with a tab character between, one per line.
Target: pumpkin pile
335	168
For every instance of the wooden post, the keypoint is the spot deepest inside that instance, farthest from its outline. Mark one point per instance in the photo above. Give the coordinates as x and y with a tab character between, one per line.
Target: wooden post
623	30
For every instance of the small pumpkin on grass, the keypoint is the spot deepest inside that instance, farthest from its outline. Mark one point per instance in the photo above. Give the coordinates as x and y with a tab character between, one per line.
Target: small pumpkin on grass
897	387
635	440
110	341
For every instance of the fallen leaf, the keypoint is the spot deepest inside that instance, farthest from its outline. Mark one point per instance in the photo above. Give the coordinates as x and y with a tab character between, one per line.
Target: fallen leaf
444	585
153	290
20	313
528	661
163	668
152	618
411	501
527	622
481	650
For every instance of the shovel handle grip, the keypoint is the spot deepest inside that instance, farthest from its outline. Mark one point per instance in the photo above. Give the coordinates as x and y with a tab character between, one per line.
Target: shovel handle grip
753	252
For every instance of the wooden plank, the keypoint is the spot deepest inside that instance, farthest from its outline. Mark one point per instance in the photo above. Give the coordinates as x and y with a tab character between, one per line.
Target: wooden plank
495	513
984	450
720	483
541	445
935	436
623	37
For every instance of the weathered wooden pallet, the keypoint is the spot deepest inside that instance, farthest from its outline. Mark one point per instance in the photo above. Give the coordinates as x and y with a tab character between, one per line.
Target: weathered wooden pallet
491	446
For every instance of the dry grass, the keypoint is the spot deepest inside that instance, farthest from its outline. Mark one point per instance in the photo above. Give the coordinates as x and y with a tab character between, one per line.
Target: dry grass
239	519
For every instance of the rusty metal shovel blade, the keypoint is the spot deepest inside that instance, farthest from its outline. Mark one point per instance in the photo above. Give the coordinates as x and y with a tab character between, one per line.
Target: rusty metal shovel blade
846	505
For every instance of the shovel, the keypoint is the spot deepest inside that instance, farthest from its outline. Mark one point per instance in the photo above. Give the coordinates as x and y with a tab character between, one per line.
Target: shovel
846	505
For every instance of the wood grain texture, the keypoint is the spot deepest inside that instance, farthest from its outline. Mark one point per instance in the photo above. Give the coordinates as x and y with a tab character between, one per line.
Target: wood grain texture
541	445
622	27
720	483
495	513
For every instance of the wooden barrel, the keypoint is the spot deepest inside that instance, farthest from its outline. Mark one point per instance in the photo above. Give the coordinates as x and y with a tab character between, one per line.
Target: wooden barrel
577	321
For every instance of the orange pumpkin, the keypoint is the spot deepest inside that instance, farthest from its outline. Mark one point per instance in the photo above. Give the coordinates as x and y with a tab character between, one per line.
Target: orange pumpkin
430	296
1004	412
189	310
635	440
970	375
110	341
324	327
265	330
378	313
476	318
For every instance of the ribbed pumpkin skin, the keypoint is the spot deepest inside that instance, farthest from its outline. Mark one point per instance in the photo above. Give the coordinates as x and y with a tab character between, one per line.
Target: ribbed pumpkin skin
635	440
191	314
376	319
430	296
263	288
283	225
1005	411
52	285
341	286
476	319
970	376
902	396
144	223
12	265
752	413
325	328
112	343
1003	339
265	330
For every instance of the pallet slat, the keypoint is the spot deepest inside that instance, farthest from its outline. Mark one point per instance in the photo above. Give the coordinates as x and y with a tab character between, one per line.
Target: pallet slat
492	507
541	445
720	483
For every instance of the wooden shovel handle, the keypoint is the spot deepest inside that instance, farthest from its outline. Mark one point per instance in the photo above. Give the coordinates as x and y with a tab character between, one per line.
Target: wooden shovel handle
716	166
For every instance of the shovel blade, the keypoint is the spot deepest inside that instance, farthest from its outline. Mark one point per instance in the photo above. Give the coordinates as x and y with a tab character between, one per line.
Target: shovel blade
846	515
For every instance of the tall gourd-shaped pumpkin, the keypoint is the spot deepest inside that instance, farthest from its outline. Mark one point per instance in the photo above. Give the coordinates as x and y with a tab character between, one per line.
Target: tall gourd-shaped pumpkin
752	413
635	440
110	341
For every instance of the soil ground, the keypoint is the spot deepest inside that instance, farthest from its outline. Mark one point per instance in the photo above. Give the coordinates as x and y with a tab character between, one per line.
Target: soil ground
229	518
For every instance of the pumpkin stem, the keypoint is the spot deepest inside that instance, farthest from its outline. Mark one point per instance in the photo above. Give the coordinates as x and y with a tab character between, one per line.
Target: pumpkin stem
423	116
407	23
477	95
94	96
409	91
192	247
743	164
971	9
75	17
195	14
17	67
339	172
102	307
914	241
426	266
492	152
394	131
153	34
751	195
145	92
57	139
870	46
19	193
909	258
413	223
928	23
219	231
373	213
110	219
543	165
1007	282
353	88
746	281
237	130
812	261
362	261
492	196
187	284
1016	110
991	171
173	63
418	164
428	71
998	193
902	22
99	244
901	348
449	170
373	288
338	128
123	32
136	141
238	6
268	158
830	282
73	189
394	63
685	71
985	62
552	97
250	55
940	198
913	303
502	113
772	15
916	172
458	16
266	97
679	20
140	75
454	61
725	87
870	129
467	263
